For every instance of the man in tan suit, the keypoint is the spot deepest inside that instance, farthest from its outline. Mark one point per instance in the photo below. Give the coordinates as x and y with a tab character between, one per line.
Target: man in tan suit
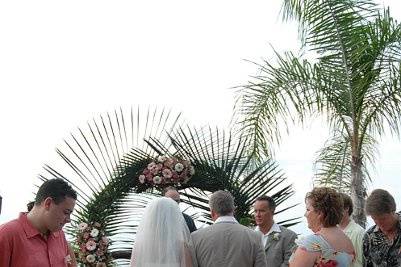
226	243
277	240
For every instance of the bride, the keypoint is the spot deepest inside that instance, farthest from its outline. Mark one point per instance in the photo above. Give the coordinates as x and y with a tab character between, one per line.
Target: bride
163	237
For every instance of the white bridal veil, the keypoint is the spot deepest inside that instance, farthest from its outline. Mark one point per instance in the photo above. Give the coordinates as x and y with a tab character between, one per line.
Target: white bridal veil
162	238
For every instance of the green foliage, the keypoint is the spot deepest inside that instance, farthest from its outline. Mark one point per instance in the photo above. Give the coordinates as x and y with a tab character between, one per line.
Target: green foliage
350	73
103	164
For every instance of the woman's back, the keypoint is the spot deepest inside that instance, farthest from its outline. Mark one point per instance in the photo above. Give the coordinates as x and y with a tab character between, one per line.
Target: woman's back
328	255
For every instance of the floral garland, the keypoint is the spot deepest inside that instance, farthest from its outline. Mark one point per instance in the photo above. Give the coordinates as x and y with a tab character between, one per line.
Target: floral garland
167	170
93	245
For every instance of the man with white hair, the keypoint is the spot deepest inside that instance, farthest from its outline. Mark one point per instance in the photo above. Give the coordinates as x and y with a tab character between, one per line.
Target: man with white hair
226	243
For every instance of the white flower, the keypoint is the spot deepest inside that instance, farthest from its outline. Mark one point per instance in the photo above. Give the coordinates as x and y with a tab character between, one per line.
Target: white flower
82	226
276	236
178	167
161	159
94	232
157	179
142	178
90	258
191	170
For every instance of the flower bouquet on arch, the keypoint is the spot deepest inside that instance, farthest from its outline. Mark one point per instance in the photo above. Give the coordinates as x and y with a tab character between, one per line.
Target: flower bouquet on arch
167	171
93	245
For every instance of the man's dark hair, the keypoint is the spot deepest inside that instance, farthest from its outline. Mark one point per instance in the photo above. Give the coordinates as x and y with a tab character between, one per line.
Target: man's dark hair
57	189
348	205
30	205
270	201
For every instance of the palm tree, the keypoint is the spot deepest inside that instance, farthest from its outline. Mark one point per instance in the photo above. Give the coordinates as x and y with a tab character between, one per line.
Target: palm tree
351	75
104	160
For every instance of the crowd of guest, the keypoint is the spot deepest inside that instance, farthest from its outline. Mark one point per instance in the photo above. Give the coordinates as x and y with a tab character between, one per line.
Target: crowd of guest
167	237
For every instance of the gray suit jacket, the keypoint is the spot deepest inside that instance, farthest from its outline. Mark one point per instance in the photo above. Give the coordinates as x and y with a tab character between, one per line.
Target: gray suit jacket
227	244
279	247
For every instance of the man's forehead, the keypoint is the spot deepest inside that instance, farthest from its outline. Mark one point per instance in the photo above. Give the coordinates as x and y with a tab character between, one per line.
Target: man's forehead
262	203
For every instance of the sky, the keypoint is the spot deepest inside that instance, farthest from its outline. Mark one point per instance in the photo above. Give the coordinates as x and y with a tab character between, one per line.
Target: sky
64	63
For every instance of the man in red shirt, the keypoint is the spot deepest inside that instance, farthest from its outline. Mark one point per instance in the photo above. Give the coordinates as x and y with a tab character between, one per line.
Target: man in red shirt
36	238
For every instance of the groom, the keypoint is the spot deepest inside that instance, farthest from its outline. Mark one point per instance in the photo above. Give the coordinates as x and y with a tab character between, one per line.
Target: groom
277	240
226	242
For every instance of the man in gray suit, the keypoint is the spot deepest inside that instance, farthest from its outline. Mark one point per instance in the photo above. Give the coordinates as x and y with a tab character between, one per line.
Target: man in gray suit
278	241
226	242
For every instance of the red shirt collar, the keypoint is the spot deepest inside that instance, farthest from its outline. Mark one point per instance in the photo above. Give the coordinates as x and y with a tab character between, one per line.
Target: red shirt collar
29	229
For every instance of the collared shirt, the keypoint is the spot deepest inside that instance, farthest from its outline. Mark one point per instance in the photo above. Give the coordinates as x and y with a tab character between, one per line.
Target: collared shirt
21	245
274	229
378	251
355	233
229	219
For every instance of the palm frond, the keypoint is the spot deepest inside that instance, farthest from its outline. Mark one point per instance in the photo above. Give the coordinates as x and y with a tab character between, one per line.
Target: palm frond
103	163
333	163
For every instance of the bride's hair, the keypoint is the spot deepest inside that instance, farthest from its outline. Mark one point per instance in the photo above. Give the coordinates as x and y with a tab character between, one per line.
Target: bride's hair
162	236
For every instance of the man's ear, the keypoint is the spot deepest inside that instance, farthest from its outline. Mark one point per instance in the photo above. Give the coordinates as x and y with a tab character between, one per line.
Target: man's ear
213	214
47	202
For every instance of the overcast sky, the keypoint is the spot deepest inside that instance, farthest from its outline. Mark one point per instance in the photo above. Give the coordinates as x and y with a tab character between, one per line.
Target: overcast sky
63	63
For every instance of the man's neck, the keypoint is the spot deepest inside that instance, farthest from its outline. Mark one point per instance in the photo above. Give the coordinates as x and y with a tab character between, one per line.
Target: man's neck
344	223
266	228
34	218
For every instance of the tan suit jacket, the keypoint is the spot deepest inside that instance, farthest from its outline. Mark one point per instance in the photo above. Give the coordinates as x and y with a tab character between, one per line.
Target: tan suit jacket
279	247
228	244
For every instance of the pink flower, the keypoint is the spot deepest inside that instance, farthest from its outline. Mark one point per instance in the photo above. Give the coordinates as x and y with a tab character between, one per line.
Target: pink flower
86	236
159	167
154	171
175	176
105	240
169	162
149	177
91	245
151	165
167	173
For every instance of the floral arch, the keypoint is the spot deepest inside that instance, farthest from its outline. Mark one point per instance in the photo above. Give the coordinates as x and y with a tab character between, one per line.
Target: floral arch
113	162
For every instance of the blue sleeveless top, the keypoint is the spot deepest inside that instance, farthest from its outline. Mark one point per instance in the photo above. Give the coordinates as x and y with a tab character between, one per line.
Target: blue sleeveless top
329	256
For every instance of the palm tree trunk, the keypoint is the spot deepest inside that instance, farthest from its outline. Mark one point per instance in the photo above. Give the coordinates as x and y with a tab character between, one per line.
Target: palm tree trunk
358	191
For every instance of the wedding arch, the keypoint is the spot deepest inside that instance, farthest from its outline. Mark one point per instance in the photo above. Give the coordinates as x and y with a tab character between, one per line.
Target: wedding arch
120	160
